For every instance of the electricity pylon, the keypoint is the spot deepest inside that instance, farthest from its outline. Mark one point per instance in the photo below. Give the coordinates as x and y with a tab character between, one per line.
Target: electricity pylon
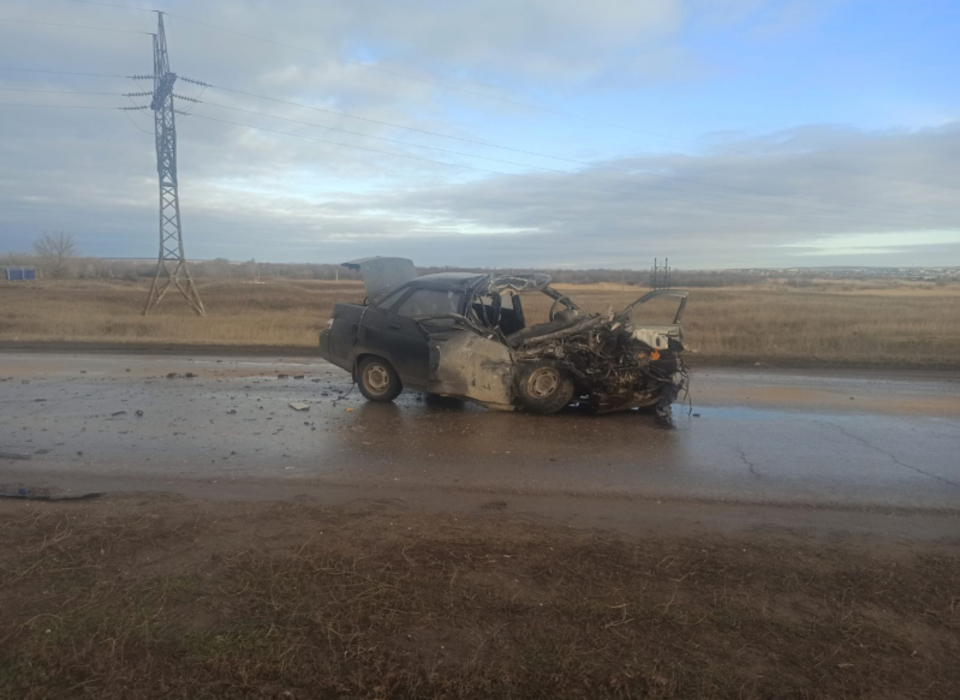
171	264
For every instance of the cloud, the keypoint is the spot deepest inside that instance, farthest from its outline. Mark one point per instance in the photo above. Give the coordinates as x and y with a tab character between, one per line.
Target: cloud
719	208
323	195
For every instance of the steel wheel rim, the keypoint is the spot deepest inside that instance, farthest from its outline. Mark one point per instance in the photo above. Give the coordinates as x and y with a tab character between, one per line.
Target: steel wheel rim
543	382
376	378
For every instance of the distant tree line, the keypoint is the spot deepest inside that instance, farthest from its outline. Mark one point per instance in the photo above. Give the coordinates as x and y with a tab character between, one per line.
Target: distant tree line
56	256
60	261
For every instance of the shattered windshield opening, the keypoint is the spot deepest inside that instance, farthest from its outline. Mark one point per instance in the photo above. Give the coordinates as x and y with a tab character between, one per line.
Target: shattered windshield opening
547	305
513	311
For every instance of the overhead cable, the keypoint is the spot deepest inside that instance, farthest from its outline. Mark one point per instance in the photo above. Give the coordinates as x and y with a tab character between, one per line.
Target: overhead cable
74	26
659	176
639	186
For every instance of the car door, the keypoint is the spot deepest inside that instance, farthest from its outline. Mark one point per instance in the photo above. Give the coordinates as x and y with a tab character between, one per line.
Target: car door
406	338
656	316
370	330
472	365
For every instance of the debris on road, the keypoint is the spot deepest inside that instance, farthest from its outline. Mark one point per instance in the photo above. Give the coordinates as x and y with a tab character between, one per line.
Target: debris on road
118	413
299	406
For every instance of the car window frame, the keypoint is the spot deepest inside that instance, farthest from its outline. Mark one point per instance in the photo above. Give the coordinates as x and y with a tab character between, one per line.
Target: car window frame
404	291
429	288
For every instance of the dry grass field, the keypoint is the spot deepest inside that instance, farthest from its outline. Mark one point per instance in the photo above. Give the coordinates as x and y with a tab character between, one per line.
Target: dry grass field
829	323
129	598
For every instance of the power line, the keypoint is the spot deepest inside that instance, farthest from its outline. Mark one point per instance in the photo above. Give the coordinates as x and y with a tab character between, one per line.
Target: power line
520	104
507	100
61	72
193	106
826	212
542	155
74	26
27	104
60	92
139	128
130	118
110	4
479	169
397	74
500	160
498	172
407	76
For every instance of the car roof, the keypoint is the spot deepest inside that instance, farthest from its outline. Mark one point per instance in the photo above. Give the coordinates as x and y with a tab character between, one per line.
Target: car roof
461	280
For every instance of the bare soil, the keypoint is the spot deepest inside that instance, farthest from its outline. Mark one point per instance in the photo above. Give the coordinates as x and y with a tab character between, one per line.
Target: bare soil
137	597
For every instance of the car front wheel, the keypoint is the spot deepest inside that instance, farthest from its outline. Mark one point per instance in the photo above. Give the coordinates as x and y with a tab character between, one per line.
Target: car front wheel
543	387
378	380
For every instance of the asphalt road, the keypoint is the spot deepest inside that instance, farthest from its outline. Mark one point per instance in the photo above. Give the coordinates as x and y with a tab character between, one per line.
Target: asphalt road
827	439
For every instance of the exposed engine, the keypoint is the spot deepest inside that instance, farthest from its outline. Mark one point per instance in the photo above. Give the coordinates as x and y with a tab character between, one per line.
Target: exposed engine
614	369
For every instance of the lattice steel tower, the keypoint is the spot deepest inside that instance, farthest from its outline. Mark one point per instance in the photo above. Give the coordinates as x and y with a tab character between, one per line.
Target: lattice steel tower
171	264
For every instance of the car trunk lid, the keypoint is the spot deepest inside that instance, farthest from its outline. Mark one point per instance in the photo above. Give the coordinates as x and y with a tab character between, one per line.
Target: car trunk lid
381	275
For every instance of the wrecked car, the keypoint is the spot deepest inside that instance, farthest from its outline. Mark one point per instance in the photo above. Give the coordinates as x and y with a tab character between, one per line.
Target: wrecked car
464	335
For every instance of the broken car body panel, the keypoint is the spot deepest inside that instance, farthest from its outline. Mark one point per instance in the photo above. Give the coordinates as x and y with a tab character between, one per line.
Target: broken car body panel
656	335
465	335
471	365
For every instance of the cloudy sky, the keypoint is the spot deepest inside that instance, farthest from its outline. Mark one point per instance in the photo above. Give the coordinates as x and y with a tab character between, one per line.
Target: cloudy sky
543	133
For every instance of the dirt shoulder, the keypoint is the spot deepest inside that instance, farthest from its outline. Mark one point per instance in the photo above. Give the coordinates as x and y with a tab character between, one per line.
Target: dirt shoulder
162	596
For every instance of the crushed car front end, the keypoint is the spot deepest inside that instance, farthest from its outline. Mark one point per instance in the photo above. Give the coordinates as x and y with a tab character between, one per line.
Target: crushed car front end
604	362
616	362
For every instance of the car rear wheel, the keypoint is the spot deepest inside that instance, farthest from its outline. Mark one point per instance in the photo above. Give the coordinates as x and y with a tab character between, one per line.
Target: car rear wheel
378	380
543	387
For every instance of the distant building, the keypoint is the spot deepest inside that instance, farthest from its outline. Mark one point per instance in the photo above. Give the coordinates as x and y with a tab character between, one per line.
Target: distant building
19	274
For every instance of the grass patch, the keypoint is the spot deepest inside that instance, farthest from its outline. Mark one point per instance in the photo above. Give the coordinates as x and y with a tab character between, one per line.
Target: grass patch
167	598
911	325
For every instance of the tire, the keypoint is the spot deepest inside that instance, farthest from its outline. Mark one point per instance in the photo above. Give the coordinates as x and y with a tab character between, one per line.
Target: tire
543	387
378	380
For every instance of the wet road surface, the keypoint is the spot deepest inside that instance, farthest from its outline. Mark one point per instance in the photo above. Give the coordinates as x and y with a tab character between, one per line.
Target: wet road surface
748	436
